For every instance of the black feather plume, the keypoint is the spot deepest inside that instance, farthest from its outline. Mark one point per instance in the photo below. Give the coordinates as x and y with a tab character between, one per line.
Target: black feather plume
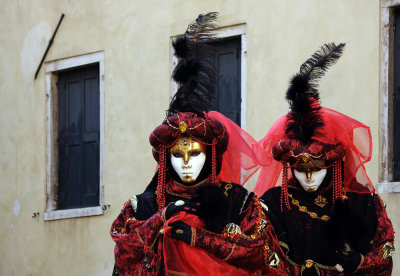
202	29
195	72
303	95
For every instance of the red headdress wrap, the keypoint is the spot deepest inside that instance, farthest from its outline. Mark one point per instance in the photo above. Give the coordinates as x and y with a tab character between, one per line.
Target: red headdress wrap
226	139
311	132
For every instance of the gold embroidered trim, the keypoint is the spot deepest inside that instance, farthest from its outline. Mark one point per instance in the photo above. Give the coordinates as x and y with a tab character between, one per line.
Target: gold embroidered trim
155	239
227	187
387	250
307	263
320	201
134	203
230	254
137	233
193	238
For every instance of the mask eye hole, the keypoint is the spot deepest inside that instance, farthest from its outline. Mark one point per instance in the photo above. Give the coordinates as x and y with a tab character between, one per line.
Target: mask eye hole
195	153
307	168
177	155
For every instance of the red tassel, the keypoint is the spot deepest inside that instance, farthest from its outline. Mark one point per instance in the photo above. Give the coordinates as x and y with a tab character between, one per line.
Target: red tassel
214	162
161	178
337	191
284	188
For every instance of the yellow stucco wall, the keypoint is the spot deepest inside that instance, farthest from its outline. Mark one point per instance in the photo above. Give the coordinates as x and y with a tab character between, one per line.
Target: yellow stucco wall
135	37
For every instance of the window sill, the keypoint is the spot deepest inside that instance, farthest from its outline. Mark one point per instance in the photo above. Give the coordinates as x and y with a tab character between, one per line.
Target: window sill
388	187
73	213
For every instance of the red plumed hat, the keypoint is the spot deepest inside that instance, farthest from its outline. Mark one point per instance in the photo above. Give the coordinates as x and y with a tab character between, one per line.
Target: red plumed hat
309	132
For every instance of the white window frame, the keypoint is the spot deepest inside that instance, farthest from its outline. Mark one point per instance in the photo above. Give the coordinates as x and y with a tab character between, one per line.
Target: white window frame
52	70
223	33
386	185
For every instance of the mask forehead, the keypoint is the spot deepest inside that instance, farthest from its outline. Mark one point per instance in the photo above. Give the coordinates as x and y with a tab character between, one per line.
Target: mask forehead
187	144
310	166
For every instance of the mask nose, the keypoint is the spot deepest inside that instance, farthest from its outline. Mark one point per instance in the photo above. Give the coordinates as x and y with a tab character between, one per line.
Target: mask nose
186	158
309	177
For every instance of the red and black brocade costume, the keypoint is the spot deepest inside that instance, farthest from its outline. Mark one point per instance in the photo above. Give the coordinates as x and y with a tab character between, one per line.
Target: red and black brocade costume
305	236
139	249
307	231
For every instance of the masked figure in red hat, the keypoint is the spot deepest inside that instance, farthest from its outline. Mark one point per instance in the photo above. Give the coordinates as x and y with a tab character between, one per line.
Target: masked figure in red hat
193	219
321	202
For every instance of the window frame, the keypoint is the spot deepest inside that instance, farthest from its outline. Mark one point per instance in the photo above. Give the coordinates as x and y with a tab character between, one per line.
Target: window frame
52	70
386	183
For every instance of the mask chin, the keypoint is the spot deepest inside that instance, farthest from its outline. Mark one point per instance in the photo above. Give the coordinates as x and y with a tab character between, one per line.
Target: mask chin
311	183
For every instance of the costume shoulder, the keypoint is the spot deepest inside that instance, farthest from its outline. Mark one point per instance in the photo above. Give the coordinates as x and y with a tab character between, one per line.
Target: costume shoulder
141	206
272	197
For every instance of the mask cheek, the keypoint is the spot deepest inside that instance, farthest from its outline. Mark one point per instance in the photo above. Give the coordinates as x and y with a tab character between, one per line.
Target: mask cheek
177	165
302	179
197	163
319	177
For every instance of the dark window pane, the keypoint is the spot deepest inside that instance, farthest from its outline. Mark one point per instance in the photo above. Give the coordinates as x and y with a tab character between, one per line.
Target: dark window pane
396	98
228	92
78	137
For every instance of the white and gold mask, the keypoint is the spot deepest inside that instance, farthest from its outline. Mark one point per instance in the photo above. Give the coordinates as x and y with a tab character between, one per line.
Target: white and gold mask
309	175
187	158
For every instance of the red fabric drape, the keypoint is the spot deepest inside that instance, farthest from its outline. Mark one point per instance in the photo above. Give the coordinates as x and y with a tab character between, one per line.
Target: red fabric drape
183	259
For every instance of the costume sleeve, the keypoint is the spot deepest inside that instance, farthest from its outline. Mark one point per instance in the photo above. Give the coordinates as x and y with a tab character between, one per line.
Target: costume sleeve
135	240
252	245
379	261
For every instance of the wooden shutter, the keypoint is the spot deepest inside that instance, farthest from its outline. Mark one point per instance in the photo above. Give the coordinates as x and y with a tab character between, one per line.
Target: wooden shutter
78	138
396	99
228	92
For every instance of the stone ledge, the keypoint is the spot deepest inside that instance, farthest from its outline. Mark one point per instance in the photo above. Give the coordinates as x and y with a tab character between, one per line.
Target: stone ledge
73	213
388	187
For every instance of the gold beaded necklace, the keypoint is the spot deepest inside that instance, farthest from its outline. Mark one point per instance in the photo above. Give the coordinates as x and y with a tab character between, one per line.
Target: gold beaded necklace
304	210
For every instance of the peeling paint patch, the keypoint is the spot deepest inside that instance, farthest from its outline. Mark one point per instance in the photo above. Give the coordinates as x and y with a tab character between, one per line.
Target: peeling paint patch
16	207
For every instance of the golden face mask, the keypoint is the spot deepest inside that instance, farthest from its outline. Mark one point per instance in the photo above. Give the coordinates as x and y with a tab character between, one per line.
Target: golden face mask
187	158
309	175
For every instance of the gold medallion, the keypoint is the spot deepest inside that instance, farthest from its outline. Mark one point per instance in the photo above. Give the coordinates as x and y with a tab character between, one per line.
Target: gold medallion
320	201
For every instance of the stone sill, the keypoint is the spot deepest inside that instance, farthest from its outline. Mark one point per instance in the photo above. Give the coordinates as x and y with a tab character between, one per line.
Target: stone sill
388	187
73	213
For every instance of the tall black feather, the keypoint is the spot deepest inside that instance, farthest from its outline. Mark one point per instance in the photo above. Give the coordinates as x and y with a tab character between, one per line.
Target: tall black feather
195	72
303	96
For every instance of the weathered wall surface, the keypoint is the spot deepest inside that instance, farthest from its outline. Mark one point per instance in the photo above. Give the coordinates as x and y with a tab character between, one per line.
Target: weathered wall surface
135	37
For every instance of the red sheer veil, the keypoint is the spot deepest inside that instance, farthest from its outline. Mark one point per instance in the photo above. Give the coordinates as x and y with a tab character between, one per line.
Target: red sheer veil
243	155
339	128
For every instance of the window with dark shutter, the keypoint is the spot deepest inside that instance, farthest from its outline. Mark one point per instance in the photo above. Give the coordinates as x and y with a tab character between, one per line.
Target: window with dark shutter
228	92
78	138
396	98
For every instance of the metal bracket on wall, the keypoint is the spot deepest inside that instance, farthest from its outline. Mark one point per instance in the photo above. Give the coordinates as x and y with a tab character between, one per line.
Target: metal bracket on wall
49	45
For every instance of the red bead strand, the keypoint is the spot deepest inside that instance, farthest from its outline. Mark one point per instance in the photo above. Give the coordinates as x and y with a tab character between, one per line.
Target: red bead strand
284	188
214	162
161	178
